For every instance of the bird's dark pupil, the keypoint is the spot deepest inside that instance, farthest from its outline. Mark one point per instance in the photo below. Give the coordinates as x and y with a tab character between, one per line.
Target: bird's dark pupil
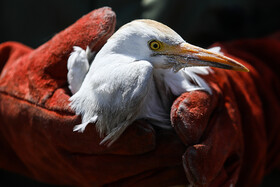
155	46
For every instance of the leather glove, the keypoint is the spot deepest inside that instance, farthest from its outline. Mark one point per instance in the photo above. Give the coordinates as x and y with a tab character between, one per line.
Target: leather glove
36	123
231	134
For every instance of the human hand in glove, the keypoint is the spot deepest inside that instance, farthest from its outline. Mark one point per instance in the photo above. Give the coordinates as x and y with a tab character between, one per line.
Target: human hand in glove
231	134
36	122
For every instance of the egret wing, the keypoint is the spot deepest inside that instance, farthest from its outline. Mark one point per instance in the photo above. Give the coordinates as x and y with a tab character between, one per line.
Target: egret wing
115	93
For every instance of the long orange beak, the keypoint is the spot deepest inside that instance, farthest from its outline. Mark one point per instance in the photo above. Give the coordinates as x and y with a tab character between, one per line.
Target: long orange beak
191	55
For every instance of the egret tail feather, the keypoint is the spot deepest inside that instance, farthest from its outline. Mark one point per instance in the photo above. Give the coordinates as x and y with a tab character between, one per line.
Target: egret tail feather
114	134
80	128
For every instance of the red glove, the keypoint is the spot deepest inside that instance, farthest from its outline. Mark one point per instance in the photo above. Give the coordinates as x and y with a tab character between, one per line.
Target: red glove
36	124
223	144
232	135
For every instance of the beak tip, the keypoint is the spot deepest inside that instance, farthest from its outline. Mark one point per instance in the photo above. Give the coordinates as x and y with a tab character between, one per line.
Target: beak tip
241	69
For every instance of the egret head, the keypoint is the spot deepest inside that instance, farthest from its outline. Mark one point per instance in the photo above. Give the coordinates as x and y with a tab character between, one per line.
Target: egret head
164	48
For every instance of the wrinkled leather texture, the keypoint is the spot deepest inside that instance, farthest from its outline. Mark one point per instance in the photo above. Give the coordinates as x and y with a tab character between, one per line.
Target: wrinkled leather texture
223	138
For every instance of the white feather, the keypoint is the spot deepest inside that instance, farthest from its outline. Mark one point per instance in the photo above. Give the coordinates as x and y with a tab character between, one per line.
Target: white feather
82	127
216	49
77	66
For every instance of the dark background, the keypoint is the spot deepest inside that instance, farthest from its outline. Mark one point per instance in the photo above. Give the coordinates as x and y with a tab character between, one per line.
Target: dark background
202	23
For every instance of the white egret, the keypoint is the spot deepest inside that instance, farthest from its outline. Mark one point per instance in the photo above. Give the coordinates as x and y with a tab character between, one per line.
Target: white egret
136	75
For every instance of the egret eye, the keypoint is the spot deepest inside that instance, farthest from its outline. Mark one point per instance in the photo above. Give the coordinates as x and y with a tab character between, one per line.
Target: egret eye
154	45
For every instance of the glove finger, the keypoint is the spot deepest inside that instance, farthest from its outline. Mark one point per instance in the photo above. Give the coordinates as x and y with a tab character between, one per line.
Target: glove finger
221	146
190	114
44	69
138	138
228	175
91	30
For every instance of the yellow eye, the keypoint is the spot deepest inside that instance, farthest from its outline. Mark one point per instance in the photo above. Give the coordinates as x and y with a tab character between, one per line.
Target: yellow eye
154	45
